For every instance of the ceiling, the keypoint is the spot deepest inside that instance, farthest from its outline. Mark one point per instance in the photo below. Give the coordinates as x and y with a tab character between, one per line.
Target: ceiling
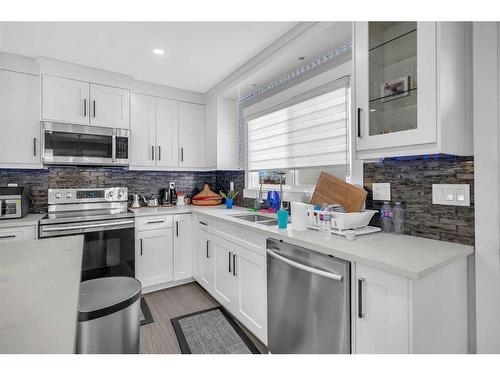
197	54
324	38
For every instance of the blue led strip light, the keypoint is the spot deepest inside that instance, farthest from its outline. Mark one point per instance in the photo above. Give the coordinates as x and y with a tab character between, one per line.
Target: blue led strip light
314	64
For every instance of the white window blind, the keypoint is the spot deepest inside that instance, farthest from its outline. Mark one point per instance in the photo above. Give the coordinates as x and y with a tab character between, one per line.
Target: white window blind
311	133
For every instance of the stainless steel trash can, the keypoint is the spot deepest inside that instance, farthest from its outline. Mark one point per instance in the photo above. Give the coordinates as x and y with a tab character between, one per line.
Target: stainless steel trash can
108	316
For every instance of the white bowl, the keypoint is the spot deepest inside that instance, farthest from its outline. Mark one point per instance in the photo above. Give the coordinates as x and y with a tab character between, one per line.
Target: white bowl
352	220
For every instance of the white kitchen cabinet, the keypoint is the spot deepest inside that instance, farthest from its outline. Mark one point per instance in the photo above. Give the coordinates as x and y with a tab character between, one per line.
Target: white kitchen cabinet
154	124
222	134
155	256
65	100
225	283
191	135
18	234
205	252
412	82
382	312
167	132
19	120
143	130
183	249
395	314
78	102
251	273
109	106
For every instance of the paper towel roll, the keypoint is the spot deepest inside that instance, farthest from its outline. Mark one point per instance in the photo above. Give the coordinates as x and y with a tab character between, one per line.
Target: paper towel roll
299	215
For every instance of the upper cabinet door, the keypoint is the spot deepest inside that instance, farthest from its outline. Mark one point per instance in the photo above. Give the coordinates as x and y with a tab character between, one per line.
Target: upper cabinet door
65	100
167	132
191	135
142	124
19	119
109	106
396	84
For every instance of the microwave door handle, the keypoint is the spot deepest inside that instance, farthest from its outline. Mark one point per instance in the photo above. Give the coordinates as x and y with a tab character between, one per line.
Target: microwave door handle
113	148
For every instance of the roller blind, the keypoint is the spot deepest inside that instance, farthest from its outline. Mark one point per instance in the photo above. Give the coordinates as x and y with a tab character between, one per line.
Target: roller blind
311	133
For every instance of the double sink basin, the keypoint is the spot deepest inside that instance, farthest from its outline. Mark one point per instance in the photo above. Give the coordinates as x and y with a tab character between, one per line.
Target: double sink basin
259	219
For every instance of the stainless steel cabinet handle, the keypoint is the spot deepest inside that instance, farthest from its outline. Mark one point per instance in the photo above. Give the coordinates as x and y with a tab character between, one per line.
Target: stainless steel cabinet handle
177	228
159	152
229	260
152	152
155	221
84	107
207	249
303	267
234	264
182	154
141	246
202	223
93	104
7	236
34	146
361	314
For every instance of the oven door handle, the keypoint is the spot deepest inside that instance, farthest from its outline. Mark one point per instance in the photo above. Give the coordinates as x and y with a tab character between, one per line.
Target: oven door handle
303	267
103	225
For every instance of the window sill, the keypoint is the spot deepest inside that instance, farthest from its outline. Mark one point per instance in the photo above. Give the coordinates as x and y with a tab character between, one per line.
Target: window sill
289	195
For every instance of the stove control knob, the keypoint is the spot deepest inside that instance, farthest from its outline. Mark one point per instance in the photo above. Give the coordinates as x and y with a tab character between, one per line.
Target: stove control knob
69	195
121	193
110	194
58	195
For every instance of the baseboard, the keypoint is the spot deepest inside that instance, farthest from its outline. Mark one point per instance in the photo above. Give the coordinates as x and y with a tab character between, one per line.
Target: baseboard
170	284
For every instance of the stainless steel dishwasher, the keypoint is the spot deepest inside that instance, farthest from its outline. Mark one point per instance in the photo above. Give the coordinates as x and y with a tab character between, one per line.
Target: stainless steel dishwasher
308	299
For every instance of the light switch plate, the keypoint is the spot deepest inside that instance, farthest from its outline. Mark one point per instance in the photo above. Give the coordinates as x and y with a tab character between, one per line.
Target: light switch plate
381	191
451	194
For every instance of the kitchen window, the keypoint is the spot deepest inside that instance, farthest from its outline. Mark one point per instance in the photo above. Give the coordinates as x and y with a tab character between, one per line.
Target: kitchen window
301	138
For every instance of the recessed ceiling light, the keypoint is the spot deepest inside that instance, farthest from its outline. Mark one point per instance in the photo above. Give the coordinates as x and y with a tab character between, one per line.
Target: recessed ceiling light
158	51
254	85
302	57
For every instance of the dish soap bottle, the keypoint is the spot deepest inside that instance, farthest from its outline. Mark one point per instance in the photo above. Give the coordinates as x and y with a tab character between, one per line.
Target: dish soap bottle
386	217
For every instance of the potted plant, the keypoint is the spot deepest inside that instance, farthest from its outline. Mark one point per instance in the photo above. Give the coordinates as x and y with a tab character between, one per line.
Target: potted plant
229	198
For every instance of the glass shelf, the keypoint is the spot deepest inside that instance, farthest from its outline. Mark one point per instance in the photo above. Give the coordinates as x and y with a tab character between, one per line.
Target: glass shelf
391	98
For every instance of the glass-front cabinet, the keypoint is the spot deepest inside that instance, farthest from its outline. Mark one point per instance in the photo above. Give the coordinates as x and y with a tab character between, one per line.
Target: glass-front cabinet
395	80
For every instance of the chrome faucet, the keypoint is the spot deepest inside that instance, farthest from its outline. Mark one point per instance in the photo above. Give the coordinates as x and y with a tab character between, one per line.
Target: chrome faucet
257	204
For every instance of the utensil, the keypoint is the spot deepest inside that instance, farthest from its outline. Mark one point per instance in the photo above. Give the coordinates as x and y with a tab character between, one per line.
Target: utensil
135	201
151	202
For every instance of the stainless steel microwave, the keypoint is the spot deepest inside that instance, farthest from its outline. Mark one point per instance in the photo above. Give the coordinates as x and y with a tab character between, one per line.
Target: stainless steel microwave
84	145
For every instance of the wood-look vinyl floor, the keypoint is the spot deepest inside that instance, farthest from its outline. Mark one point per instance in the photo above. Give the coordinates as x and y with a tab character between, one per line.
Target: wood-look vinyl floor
159	337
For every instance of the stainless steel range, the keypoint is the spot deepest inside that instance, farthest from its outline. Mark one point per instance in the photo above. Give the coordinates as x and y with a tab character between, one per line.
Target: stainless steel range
102	217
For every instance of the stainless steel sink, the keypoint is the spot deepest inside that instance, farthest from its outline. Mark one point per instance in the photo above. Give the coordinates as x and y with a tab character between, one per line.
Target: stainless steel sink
254	218
269	222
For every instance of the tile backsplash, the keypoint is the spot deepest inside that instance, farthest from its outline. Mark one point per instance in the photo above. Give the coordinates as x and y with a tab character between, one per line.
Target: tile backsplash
411	180
140	182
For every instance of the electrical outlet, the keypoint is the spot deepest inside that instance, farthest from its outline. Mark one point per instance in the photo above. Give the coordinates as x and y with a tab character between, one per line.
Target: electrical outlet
381	191
451	194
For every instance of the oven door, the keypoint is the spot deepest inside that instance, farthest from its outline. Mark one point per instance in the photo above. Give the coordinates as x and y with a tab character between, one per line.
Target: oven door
108	247
82	144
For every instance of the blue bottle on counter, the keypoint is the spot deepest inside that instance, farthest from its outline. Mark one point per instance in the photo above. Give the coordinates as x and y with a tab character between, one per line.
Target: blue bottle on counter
282	218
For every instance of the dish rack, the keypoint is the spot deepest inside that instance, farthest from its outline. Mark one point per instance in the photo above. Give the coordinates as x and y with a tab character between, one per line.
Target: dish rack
343	221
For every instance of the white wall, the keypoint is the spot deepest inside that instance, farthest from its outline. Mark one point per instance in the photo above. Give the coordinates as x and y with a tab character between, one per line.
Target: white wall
487	184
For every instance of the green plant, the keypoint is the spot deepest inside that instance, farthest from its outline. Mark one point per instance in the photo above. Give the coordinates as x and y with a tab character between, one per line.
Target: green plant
229	195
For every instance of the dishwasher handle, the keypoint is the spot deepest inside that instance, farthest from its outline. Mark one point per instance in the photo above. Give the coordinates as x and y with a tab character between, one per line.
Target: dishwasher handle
303	267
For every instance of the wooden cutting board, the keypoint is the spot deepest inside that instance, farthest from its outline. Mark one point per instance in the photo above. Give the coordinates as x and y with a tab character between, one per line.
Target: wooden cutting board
331	189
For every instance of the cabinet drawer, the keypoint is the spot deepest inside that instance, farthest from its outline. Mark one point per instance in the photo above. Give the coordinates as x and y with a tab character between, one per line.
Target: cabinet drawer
249	239
17	234
203	222
154	222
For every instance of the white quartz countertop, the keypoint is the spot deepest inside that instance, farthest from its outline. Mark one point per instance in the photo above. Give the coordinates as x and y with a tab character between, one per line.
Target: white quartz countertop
160	210
39	288
27	221
407	256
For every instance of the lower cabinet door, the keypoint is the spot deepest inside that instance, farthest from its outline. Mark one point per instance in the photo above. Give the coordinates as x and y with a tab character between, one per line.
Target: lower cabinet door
225	285
155	257
206	257
382	323
183	249
17	234
252	287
